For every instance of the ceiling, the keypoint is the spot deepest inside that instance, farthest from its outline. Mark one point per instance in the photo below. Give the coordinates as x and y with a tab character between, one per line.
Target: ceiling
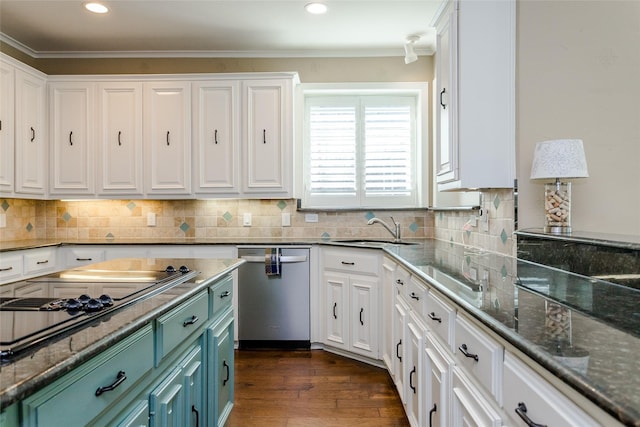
217	28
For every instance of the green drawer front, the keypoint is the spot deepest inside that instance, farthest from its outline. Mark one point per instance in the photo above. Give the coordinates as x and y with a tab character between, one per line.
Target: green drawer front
72	399
221	295
175	326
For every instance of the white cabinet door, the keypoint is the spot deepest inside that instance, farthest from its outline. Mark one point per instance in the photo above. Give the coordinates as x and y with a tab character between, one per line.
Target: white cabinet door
167	135
267	126
470	407
72	171
399	330
337	310
364	315
7	143
216	117
387	294
31	148
437	366
414	378
120	161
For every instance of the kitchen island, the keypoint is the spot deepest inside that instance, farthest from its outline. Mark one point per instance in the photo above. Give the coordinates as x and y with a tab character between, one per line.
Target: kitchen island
179	329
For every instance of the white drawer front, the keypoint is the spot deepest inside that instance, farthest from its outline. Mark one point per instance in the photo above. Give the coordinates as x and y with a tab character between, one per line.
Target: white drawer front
39	260
483	358
417	296
352	260
440	318
10	267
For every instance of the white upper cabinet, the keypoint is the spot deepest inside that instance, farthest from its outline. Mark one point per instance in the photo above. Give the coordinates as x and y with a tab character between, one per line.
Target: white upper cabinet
119	136
31	142
167	138
216	135
475	95
73	138
7	136
267	139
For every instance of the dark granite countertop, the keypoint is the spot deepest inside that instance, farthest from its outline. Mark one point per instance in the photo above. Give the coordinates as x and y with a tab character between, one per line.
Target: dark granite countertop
30	373
601	239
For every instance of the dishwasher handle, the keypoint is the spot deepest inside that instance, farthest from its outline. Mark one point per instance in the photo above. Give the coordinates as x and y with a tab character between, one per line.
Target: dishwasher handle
284	259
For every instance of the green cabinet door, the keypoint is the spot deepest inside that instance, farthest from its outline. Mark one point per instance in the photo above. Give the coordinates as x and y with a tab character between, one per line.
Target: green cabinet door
167	402
193	377
137	416
221	372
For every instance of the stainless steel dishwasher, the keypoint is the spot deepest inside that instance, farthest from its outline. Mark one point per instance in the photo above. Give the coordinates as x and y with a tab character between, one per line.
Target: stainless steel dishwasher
273	306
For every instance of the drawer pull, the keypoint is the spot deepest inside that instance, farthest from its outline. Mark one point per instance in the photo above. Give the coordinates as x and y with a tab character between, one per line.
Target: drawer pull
335	305
6	269
398	350
400	282
191	321
431	412
414	296
226	366
84	259
195	411
433	316
119	380
46	261
361	321
225	294
521	410
463	350
347	263
413	371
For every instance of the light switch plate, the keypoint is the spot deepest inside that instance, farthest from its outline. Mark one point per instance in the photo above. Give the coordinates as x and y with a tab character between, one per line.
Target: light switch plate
246	219
3	220
151	219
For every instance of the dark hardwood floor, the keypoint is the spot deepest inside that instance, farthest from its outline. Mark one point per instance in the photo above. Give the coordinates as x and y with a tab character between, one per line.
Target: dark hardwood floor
314	388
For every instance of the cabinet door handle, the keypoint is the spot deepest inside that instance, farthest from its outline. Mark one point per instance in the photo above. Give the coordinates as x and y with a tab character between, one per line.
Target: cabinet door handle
33	134
521	410
335	306
119	135
361	312
444	106
195	410
347	263
70	140
119	380
463	350
46	261
215	136
191	321
431	412
398	350
225	294
264	136
433	316
400	282
168	138
414	296
225	365
413	371
84	259
6	269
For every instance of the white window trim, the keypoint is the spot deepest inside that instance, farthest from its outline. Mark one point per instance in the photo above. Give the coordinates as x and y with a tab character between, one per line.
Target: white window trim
419	89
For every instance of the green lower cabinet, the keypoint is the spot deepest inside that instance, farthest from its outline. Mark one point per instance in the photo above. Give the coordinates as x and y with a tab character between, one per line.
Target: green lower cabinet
166	403
193	377
137	416
221	369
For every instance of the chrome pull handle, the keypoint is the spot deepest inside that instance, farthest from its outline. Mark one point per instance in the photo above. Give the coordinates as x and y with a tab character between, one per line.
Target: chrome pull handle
521	410
191	321
119	380
70	140
433	316
463	349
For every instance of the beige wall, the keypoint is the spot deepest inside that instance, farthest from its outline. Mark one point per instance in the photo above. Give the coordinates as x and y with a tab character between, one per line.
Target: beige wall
579	77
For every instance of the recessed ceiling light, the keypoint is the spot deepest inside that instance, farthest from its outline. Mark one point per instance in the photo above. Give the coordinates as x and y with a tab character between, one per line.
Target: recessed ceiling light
96	7
316	8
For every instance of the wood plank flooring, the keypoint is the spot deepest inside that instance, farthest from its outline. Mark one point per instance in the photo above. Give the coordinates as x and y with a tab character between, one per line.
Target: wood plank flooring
278	388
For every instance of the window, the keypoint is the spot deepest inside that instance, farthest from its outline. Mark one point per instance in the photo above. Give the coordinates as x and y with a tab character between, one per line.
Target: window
362	149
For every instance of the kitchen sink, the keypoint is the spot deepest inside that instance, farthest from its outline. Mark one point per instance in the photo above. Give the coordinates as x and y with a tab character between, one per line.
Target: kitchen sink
375	243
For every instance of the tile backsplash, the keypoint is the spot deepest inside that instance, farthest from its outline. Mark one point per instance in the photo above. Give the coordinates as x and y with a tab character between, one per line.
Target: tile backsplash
178	219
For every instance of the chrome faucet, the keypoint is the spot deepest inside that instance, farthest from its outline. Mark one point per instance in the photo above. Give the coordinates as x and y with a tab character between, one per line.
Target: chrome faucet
395	234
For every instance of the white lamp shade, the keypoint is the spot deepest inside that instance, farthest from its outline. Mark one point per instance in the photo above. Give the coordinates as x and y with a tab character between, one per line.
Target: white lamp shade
559	158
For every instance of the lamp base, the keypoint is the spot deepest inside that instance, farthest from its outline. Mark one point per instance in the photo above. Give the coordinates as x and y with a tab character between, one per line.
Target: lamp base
557	207
557	230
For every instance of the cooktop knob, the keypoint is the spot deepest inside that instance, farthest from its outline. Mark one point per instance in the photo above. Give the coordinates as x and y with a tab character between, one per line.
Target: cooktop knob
106	300
93	305
73	304
184	269
170	269
84	298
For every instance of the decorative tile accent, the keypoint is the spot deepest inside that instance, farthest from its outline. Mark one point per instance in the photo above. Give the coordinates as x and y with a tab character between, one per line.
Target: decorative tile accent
5	205
503	271
496	201
413	227
227	216
282	204
110	236
29	227
184	227
325	236
369	215
131	206
504	236
66	217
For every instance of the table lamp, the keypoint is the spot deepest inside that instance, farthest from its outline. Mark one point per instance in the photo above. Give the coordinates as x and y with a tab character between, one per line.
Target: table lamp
557	159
